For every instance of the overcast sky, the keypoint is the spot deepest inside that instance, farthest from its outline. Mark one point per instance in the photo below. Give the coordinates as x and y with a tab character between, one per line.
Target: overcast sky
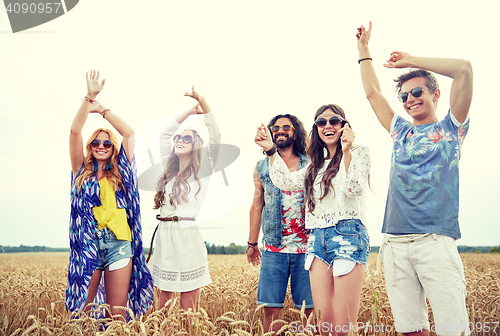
251	60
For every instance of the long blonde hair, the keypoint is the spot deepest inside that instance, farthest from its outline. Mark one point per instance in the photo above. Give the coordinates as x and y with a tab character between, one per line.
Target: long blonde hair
113	174
181	187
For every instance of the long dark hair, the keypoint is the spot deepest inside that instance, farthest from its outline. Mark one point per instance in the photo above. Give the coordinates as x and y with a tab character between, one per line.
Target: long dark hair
316	152
300	142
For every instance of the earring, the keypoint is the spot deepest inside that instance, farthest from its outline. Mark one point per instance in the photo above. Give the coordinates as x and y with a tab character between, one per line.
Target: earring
108	167
96	165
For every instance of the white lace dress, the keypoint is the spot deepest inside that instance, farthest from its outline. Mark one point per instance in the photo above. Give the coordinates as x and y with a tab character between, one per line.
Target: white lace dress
179	262
345	201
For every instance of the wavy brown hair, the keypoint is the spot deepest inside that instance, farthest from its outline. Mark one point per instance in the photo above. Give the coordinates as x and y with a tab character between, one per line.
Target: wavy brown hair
181	187
300	142
315	151
113	174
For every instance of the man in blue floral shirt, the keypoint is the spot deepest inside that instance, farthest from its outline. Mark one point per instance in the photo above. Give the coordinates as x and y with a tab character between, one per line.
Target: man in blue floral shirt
421	218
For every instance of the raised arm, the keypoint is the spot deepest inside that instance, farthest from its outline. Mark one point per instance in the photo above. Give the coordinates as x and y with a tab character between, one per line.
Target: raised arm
279	172
119	125
212	126
75	136
371	85
459	70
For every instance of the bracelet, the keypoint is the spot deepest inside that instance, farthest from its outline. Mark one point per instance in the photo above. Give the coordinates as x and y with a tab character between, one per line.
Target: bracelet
89	100
271	151
365	59
252	244
103	113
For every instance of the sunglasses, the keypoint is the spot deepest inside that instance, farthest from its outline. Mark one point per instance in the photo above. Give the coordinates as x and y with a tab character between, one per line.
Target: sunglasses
334	121
285	128
415	92
186	139
96	142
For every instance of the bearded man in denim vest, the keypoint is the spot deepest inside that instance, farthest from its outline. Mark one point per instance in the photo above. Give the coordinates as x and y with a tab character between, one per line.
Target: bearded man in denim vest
281	216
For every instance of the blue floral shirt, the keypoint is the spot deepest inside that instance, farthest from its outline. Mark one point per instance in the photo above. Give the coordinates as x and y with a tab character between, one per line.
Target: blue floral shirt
83	251
423	187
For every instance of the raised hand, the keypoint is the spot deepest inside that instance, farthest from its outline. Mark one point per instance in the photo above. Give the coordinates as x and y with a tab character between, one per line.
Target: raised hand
93	85
347	138
193	94
364	35
97	107
398	59
263	138
202	106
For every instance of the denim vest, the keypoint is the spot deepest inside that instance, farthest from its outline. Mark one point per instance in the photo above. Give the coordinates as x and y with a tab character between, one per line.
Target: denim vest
271	212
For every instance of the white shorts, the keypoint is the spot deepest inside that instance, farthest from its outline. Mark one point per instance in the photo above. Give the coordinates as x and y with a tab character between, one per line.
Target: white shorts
425	266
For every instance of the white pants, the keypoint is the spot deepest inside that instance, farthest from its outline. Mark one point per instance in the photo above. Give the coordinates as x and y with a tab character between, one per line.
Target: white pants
425	265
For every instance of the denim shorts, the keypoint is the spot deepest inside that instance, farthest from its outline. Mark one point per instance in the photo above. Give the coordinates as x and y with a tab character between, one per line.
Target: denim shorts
346	240
110	249
275	269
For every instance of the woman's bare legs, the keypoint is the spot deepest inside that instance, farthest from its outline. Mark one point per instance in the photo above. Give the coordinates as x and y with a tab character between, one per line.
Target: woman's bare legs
322	290
93	285
336	297
189	299
164	297
117	283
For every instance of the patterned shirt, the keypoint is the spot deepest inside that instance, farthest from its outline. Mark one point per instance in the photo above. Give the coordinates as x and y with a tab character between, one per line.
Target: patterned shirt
423	187
346	200
294	233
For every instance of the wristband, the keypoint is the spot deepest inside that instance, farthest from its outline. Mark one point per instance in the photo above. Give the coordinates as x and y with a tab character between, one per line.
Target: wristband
364	59
103	113
252	244
271	151
89	100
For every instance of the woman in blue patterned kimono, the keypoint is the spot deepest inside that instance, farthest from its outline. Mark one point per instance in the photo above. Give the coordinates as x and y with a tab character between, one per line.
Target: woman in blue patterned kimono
105	223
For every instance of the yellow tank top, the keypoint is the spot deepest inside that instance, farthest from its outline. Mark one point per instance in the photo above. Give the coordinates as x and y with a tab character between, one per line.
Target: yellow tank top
108	215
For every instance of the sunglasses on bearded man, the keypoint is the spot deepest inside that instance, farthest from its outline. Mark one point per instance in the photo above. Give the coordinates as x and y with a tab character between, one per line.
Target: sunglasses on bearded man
285	128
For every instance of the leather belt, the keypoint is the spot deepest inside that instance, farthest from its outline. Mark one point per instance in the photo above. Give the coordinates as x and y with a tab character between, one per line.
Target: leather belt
174	218
165	219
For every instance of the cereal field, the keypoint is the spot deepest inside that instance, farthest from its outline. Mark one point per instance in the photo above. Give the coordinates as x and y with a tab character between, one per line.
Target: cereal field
32	290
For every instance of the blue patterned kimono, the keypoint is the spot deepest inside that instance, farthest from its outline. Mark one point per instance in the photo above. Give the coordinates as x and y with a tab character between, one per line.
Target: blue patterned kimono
82	228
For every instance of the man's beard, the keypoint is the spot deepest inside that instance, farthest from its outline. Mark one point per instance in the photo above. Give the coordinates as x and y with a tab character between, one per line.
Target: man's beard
283	144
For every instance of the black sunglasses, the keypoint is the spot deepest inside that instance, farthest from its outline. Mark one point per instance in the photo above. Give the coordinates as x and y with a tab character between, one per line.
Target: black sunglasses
334	121
186	139
415	92
96	142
